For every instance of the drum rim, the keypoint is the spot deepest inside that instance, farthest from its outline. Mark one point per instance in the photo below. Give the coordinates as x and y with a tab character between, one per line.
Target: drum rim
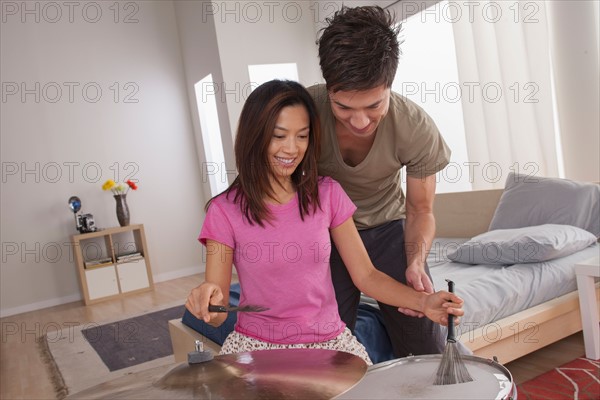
403	360
481	360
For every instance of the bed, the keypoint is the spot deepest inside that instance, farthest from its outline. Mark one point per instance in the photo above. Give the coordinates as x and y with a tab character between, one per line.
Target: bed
511	253
545	315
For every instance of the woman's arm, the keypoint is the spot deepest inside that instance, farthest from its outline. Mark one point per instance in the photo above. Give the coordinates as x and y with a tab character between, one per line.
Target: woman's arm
382	287
215	288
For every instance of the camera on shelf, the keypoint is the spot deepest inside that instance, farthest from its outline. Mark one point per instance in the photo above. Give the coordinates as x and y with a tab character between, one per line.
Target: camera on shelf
85	223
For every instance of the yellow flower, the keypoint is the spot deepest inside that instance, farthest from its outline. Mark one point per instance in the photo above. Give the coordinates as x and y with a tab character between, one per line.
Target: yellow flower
119	188
109	184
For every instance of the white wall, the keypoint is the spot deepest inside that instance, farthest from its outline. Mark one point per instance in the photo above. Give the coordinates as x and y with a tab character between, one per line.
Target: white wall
73	143
223	39
200	55
251	33
575	52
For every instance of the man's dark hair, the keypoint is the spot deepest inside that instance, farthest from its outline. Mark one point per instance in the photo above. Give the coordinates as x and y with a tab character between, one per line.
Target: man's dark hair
359	49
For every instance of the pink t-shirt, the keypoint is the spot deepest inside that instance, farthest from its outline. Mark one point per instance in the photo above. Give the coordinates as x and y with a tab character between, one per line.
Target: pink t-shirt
284	266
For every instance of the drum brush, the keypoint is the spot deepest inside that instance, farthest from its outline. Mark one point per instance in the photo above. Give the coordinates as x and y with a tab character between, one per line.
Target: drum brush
452	368
199	355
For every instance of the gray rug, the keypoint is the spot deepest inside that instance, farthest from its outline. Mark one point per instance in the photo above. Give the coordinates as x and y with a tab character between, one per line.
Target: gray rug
75	365
133	341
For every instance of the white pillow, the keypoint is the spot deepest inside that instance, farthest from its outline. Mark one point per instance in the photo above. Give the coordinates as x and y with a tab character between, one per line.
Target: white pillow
522	245
532	200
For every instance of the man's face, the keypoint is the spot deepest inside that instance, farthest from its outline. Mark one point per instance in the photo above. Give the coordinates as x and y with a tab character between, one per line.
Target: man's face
360	111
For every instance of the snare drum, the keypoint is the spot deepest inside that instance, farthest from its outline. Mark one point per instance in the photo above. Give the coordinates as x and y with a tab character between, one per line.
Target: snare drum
413	377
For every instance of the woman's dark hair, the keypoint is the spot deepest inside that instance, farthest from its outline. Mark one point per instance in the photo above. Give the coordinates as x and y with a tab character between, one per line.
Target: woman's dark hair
255	130
359	49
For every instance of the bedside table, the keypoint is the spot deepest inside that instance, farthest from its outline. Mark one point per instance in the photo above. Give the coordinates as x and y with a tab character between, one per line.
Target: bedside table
586	271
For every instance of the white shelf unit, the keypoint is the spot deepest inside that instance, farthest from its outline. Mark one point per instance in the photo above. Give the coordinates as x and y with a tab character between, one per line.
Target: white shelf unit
106	267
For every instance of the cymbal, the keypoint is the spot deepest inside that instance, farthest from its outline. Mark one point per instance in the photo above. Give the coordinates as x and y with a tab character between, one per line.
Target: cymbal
266	374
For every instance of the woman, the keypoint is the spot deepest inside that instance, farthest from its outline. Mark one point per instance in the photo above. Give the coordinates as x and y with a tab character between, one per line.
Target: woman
275	222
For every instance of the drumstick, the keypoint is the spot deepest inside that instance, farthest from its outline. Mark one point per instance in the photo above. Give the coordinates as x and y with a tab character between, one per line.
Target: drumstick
247	308
452	368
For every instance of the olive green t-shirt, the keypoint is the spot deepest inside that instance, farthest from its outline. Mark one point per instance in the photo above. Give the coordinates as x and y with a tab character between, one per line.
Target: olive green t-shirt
406	136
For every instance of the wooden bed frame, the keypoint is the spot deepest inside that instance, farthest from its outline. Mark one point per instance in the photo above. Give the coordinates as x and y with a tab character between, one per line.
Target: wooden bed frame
464	215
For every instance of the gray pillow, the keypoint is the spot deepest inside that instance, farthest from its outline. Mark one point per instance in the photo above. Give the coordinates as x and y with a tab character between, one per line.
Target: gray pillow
522	245
530	201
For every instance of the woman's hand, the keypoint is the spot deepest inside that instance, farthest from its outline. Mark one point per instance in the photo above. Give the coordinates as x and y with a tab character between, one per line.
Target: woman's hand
438	305
199	299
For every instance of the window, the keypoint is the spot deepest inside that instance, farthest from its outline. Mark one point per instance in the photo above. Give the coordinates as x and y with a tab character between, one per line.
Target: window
213	167
428	75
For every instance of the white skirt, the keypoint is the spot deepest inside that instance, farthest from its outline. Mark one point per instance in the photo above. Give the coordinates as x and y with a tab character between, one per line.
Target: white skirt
345	341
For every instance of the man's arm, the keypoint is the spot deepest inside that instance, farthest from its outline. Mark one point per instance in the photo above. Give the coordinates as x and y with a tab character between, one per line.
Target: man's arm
419	230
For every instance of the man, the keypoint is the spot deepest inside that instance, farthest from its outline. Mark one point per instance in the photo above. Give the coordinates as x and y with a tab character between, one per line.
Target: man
369	133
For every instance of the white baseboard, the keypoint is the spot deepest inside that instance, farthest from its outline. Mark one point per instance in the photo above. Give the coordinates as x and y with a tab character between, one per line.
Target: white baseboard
166	276
7	312
180	273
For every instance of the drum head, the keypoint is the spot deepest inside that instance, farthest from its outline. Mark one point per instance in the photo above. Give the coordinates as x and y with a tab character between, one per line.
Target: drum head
413	377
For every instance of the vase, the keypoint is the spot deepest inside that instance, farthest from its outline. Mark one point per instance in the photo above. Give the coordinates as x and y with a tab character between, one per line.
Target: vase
122	209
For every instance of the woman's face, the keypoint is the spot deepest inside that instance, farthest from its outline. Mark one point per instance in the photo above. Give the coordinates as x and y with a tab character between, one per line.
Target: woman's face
289	141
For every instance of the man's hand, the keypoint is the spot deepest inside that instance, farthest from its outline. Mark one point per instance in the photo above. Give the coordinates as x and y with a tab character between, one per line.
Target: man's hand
418	280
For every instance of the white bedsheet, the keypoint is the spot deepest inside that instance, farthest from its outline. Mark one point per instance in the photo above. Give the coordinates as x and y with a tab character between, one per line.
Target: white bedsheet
492	292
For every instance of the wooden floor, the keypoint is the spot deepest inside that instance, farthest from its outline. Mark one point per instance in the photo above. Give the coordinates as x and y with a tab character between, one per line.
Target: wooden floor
23	375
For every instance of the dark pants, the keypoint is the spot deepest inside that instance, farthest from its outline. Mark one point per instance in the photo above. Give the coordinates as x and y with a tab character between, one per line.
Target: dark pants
385	245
